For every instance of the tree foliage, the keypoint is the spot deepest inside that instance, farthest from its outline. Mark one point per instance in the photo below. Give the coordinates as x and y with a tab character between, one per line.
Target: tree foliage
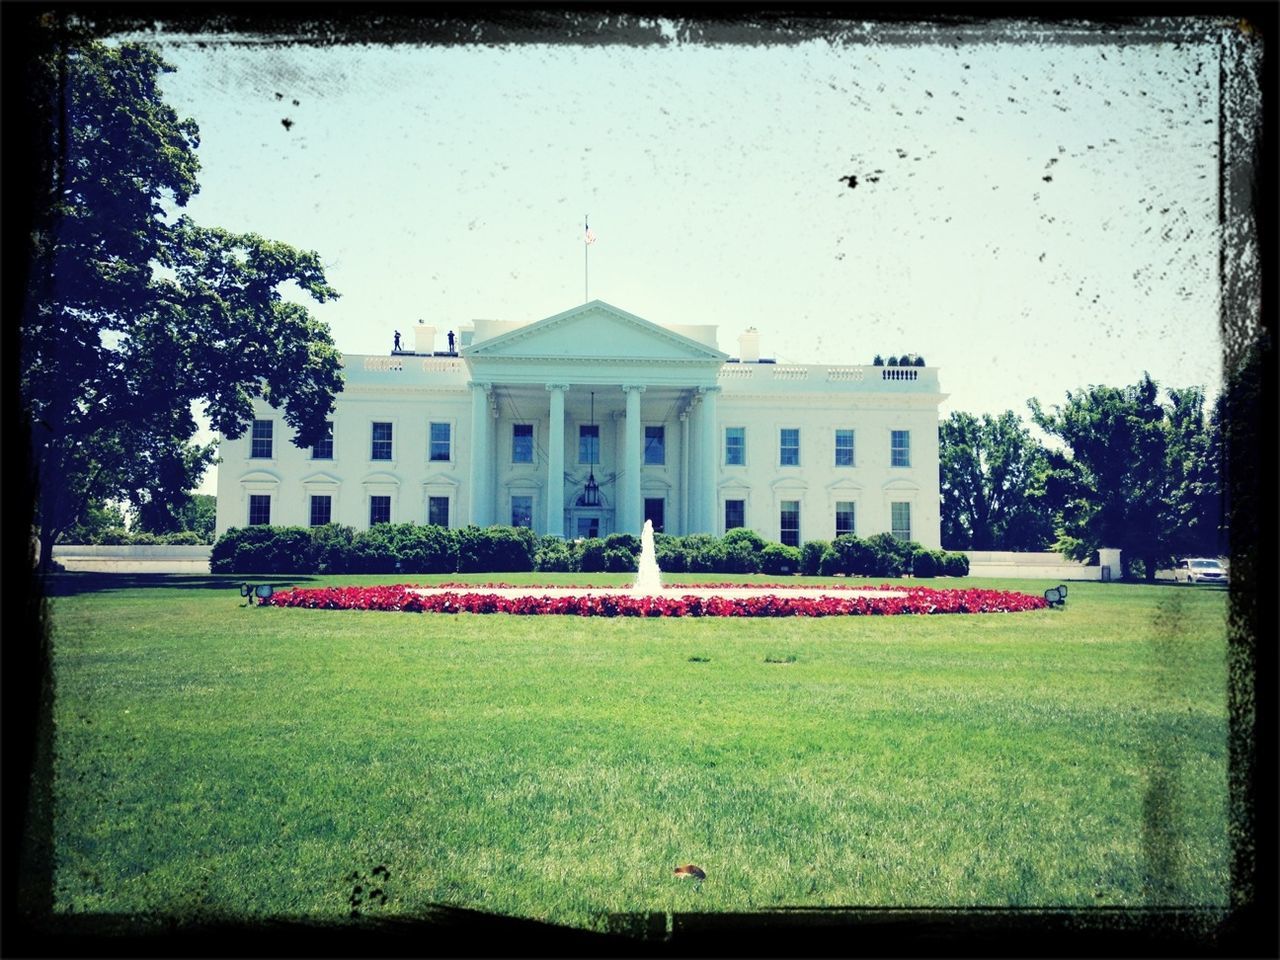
135	314
1136	474
993	484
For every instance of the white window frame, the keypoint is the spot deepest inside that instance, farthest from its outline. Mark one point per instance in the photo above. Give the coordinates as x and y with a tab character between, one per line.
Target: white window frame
333	444
395	432
644	441
853	504
799	502
390	498
725	441
311	508
893	528
799	441
893	449
533	443
853	448
453	440
448	507
249	522
270	422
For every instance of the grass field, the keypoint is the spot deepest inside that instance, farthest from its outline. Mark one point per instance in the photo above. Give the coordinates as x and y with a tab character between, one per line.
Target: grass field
268	762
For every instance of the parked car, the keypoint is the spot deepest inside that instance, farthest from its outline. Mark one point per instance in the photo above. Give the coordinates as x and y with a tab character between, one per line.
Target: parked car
1199	570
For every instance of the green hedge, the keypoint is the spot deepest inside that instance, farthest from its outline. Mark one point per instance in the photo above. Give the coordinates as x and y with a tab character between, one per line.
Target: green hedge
420	549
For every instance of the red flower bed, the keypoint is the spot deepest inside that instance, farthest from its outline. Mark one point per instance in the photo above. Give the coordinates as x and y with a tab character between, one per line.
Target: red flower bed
917	600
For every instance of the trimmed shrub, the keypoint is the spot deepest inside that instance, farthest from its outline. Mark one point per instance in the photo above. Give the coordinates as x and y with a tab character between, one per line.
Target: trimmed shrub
956	565
183	538
553	554
738	556
113	536
331	548
703	553
878	361
893	361
263	549
669	551
904	361
626	542
811	556
776	558
495	549
374	550
589	555
829	563
618	559
924	565
889	555
144	538
919	361
850	555
427	548
744	535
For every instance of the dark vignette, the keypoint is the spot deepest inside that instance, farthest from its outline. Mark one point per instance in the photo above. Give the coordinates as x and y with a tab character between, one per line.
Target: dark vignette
1247	928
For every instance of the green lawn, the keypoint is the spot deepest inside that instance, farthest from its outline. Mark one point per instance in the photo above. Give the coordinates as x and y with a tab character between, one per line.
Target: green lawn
263	762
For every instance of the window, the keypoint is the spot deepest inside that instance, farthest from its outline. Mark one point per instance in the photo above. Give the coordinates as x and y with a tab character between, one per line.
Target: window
379	510
259	508
655	446
260	448
654	510
900	519
381	442
522	511
589	443
522	443
844	448
789	523
440	441
845	518
735	446
735	514
321	510
323	450
789	447
900	448
438	511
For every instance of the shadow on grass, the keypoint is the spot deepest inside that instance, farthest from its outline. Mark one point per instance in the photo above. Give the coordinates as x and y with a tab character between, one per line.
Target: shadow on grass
76	584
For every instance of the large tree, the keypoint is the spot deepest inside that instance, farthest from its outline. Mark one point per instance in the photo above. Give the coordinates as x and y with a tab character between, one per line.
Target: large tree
1138	475
993	476
135	314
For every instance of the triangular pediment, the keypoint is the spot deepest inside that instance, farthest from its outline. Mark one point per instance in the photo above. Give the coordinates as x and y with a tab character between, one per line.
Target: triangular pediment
594	331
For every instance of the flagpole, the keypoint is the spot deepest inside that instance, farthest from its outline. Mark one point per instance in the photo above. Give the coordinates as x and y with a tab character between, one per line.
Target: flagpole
586	248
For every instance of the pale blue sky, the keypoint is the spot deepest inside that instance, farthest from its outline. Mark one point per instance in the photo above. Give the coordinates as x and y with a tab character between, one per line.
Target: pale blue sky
450	183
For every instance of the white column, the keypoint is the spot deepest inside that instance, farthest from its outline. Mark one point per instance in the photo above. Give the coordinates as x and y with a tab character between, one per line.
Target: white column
683	486
709	457
695	465
481	502
555	461
630	511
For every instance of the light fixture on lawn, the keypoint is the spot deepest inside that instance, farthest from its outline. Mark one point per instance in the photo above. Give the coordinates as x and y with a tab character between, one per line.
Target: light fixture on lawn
591	492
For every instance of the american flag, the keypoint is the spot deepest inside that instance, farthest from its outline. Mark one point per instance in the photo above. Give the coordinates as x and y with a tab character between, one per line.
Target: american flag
588	235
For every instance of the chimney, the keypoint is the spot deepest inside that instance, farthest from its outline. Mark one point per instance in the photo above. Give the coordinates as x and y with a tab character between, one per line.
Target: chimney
749	346
424	338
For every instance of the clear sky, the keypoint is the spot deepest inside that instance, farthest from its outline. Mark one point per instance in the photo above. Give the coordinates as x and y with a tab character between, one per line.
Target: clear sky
1032	215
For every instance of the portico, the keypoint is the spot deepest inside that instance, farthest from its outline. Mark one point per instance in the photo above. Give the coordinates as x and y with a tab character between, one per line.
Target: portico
599	399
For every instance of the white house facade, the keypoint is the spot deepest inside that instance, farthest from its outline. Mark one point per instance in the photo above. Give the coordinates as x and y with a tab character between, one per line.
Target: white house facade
594	420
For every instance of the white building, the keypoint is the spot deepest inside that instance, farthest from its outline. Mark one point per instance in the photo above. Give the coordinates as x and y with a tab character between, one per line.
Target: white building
593	420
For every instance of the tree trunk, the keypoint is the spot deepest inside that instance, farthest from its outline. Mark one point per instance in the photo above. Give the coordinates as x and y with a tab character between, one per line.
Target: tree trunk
47	537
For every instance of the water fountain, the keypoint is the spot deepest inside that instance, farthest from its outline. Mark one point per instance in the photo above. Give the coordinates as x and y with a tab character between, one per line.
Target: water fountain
649	576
